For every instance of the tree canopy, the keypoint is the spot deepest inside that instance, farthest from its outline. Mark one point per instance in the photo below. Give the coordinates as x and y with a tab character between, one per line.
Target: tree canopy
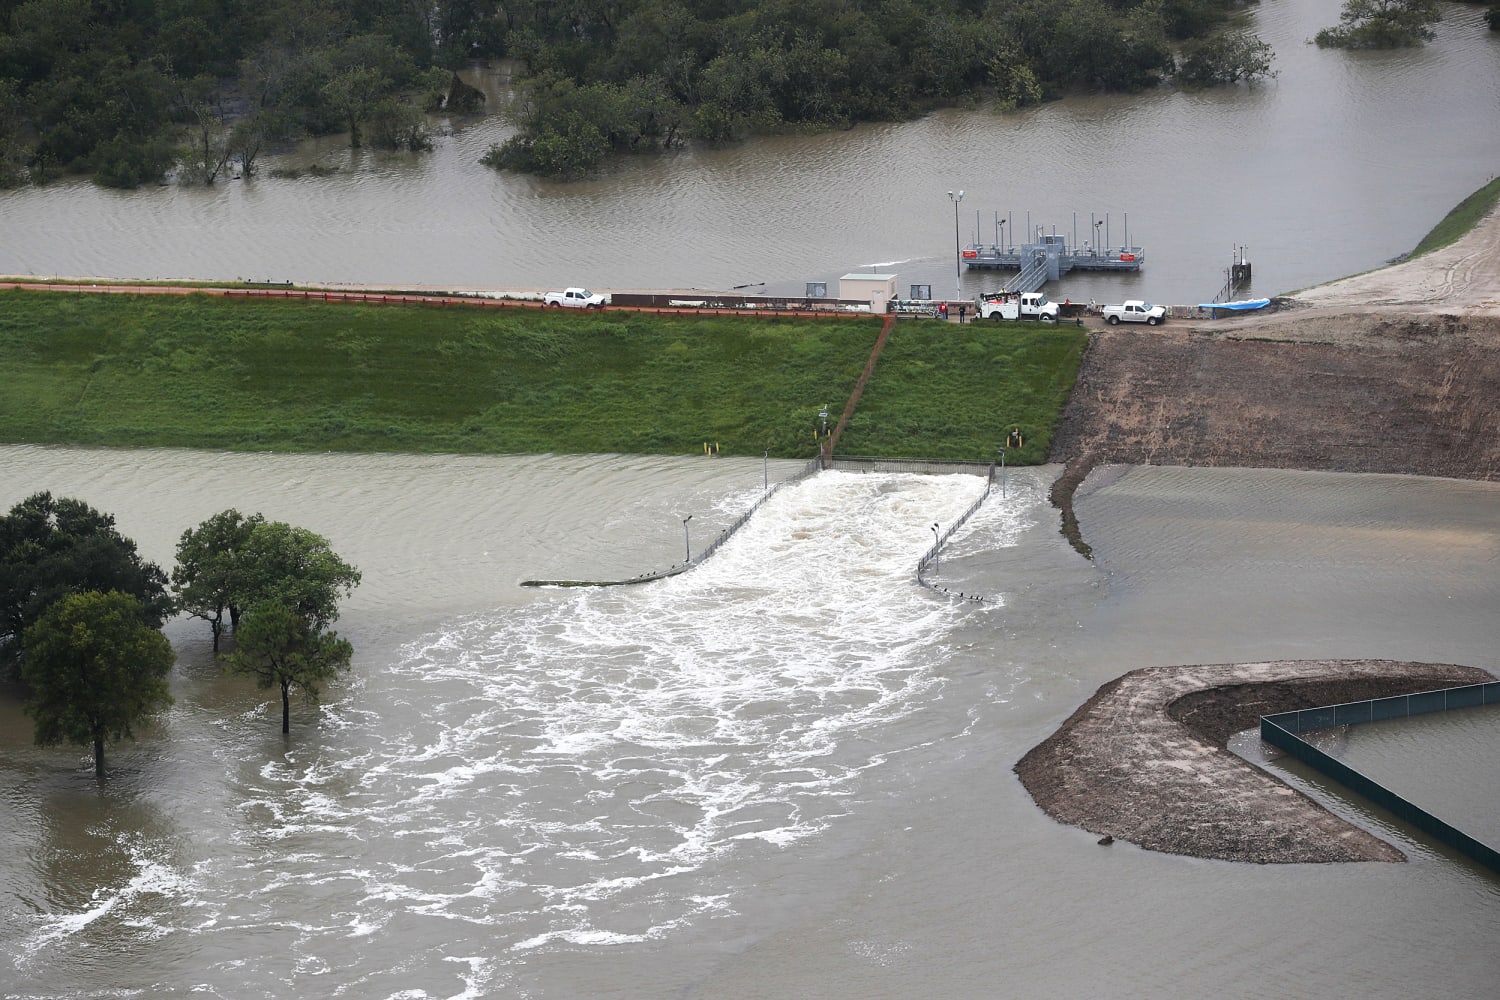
282	649
288	581
95	670
113	90
293	567
126	92
1381	24
53	547
205	562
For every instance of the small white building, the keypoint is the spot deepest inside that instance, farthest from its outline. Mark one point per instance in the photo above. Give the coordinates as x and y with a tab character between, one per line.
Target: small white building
876	289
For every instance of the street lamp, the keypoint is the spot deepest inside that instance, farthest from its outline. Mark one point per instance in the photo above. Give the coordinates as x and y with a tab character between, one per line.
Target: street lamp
1001	238
958	258
937	552
686	545
765	468
1002	473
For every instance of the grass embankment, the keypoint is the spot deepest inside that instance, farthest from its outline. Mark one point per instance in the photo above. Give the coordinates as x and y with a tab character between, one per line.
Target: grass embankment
254	375
1465	215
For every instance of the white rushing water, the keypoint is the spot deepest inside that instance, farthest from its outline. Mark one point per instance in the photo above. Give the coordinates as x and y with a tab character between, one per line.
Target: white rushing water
576	770
786	772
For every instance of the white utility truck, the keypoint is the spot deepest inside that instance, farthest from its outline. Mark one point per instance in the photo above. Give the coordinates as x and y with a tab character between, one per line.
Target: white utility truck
1027	305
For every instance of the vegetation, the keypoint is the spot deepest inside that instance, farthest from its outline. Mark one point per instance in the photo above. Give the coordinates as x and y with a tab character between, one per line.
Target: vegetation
1225	59
206	559
938	394
53	548
95	670
614	77
1462	219
1381	24
128	92
288	581
199	371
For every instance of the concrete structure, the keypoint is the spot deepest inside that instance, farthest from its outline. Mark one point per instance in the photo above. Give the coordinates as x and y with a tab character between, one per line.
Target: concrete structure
876	289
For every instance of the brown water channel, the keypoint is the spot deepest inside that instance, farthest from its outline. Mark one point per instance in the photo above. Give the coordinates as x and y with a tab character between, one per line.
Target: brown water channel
1341	162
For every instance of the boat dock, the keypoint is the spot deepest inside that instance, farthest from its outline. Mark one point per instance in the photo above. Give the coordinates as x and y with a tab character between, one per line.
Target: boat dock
1049	256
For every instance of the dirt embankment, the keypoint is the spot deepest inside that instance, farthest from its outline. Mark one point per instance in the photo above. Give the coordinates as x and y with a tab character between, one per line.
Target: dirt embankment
1144	759
1379	394
1395	371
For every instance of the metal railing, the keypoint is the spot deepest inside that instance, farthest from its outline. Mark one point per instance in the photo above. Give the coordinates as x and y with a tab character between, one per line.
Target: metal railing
935	553
1032	276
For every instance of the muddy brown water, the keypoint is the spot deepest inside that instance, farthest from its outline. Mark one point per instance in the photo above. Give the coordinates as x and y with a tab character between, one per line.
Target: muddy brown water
785	772
1341	162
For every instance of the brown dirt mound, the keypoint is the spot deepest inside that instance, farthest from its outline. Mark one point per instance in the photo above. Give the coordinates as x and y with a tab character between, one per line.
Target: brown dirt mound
1144	759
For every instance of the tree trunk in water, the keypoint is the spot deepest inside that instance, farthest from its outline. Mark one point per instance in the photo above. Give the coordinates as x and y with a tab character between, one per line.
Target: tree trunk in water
286	709
99	757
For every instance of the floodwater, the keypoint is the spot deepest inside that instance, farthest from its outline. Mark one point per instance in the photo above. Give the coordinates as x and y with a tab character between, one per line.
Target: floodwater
1414	758
786	772
1340	163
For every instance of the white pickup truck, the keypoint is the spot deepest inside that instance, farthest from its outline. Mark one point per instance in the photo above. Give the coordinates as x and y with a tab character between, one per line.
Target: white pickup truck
1135	311
1027	305
575	298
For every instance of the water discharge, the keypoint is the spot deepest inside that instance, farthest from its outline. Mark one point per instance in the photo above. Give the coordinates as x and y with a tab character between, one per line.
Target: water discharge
785	772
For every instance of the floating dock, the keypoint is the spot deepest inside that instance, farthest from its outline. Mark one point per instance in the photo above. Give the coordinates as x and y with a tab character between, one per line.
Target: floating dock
1048	257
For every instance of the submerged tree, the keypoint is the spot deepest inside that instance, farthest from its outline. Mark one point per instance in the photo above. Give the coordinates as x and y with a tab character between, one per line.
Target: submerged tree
1224	59
288	581
1381	24
281	648
52	547
205	562
94	670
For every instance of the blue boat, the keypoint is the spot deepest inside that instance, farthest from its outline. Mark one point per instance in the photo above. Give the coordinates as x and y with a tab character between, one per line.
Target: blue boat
1243	305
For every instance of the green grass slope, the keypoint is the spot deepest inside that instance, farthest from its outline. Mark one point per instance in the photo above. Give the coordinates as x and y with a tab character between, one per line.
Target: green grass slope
201	371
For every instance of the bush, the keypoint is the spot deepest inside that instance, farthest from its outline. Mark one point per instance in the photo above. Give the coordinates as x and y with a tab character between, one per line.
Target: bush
1381	24
1225	59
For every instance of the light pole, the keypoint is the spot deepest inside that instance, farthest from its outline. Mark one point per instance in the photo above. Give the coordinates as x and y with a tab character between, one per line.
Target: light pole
765	467
1002	473
937	552
1001	225
958	257
687	546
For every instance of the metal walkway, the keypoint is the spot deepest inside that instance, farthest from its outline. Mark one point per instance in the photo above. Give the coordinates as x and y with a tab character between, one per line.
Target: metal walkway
1050	259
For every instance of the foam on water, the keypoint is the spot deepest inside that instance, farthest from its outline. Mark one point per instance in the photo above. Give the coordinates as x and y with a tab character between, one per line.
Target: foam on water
133	904
589	769
609	744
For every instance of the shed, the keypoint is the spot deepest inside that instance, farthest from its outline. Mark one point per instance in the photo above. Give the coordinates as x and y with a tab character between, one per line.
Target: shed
876	289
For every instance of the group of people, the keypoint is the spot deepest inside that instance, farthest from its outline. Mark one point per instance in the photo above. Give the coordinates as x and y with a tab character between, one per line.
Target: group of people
940	311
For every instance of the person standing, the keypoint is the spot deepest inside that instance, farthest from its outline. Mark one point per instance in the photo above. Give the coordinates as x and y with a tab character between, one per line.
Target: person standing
943	311
962	309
